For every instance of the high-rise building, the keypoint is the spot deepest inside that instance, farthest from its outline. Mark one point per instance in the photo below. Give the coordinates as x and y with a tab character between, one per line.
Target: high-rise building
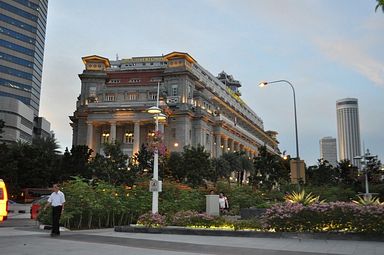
328	150
202	109
22	38
348	129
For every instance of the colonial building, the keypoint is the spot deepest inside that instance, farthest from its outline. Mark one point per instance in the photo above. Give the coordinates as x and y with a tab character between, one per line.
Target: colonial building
200	108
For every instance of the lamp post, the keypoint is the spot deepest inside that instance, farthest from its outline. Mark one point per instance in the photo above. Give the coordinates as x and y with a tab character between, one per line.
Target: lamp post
155	180
365	160
263	84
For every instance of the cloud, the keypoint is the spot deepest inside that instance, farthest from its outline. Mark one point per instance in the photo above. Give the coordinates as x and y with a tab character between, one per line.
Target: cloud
351	55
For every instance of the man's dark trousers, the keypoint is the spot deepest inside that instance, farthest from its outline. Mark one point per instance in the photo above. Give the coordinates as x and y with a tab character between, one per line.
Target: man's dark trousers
56	212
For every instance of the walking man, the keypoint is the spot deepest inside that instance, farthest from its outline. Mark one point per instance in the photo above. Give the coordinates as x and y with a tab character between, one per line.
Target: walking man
56	200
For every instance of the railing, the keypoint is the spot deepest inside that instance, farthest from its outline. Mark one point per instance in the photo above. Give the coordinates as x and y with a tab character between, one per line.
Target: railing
243	131
218	88
121	104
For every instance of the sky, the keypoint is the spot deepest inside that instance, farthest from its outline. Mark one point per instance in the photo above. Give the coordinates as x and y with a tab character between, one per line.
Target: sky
327	49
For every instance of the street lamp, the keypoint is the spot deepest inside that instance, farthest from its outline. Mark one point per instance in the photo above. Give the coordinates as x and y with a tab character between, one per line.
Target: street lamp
155	184
365	160
263	84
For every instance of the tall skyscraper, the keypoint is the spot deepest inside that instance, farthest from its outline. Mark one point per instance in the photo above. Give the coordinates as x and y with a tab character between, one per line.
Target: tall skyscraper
328	150
22	37
348	129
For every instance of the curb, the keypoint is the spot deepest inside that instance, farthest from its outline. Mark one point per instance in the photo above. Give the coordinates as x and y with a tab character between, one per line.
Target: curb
246	233
49	227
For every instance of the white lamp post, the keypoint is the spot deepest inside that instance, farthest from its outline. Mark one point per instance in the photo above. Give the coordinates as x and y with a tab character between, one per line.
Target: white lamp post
155	180
365	159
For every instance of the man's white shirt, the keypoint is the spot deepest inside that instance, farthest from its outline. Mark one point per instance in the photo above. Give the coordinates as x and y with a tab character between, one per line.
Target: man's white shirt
57	199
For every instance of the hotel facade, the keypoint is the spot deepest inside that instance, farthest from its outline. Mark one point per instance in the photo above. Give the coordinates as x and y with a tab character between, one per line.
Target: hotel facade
201	109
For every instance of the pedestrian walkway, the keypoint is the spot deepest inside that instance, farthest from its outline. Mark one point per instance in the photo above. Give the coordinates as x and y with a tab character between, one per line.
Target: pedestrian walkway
31	240
226	245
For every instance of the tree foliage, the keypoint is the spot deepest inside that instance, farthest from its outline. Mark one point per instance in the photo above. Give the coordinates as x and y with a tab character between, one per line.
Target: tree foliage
269	170
111	167
75	163
380	4
322	174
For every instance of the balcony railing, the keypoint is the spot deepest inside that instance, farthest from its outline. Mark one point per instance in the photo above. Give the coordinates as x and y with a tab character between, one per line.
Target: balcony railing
242	130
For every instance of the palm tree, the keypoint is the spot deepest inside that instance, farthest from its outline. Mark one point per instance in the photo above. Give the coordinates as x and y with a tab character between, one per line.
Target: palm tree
380	3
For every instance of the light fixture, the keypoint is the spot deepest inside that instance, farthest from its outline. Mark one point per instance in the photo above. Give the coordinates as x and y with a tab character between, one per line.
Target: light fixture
263	84
176	145
160	116
154	110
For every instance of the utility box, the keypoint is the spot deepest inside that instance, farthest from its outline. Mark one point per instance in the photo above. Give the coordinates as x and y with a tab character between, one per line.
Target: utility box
212	205
297	171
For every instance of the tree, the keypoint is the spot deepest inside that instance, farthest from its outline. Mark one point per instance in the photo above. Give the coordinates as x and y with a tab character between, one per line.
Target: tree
221	168
197	165
175	164
75	163
348	173
245	166
380	4
322	174
268	171
113	166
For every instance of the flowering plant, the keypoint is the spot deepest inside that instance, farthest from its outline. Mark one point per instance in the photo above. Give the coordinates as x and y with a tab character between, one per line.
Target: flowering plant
325	217
156	142
154	220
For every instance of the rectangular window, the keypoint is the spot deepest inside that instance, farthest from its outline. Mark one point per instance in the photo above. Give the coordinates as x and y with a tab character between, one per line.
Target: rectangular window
135	80
18	11
131	96
17	23
114	81
110	97
92	91
152	96
128	137
174	91
105	137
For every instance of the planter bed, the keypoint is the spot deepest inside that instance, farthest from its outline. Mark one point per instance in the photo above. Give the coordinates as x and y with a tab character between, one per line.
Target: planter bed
249	233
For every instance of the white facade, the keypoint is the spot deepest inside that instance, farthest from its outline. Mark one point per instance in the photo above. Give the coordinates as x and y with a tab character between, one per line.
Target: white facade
200	109
328	150
348	129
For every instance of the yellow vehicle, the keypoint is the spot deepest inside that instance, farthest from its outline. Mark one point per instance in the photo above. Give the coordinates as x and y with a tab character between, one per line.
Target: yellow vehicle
3	201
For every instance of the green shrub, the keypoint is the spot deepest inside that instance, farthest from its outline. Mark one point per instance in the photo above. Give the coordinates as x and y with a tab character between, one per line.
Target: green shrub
195	219
253	224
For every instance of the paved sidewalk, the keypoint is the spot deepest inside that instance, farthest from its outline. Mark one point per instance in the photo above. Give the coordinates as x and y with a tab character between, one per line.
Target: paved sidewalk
107	241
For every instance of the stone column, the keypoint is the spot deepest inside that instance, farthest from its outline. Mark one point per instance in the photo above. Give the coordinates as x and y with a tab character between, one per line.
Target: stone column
219	150
236	147
136	137
232	145
225	149
90	135
112	135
